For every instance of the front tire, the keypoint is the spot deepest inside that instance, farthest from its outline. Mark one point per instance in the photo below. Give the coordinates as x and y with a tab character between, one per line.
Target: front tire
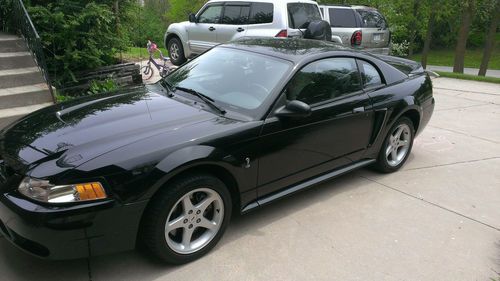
397	146
187	218
176	51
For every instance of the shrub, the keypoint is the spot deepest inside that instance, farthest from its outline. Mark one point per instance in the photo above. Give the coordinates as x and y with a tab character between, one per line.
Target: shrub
400	49
76	36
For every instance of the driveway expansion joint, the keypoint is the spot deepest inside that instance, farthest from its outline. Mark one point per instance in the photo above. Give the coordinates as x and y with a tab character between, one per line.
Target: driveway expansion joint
451	164
433	204
464	134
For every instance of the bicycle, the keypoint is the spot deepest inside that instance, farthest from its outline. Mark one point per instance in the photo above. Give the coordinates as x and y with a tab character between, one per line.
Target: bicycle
147	71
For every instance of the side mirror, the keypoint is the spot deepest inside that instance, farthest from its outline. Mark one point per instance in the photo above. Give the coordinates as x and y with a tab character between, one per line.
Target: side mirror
294	108
192	18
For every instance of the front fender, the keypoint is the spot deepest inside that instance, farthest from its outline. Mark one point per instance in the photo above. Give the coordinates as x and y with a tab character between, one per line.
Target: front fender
199	155
179	30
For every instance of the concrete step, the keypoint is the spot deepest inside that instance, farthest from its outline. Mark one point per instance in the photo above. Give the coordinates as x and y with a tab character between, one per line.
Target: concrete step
20	77
9	115
13	61
24	96
12	45
7	36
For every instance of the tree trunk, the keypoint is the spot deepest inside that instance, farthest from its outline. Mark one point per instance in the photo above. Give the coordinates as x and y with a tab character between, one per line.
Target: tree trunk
413	27
490	40
463	34
116	8
428	36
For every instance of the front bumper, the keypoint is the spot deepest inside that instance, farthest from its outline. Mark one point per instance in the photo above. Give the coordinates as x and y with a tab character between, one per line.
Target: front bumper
69	232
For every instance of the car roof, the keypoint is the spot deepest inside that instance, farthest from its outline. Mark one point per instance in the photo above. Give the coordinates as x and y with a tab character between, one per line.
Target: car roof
365	7
265	1
292	49
302	51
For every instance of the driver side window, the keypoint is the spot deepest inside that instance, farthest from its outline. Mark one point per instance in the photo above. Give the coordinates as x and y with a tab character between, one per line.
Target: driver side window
325	80
210	15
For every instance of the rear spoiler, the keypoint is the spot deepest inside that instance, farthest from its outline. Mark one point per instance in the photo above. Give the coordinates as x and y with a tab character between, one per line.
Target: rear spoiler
406	66
432	73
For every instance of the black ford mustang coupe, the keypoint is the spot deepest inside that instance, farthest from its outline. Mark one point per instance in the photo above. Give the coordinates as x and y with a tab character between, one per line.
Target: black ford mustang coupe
236	128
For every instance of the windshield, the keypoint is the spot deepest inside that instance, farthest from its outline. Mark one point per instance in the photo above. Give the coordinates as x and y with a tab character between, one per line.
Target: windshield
236	80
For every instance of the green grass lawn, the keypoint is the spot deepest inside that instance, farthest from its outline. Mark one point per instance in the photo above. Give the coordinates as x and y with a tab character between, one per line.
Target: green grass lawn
469	77
139	54
472	57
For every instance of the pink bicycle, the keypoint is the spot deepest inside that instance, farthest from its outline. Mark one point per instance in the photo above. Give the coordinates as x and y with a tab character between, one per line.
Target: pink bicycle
164	69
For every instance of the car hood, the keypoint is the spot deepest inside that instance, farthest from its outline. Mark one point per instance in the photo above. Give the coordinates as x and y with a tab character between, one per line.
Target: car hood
81	130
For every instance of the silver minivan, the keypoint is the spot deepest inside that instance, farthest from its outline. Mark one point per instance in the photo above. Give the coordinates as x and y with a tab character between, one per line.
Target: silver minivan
359	27
220	21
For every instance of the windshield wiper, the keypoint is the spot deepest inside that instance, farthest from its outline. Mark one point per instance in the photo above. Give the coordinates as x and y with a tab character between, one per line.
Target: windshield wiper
202	97
167	86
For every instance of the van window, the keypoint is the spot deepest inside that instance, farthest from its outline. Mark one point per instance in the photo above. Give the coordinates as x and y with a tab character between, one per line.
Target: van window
342	17
261	13
235	14
372	18
301	13
210	15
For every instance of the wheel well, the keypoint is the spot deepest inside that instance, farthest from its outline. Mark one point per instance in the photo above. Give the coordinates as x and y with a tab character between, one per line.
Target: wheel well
414	117
222	174
170	36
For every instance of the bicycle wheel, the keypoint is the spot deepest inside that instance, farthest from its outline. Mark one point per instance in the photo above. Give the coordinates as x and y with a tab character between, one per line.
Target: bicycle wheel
147	72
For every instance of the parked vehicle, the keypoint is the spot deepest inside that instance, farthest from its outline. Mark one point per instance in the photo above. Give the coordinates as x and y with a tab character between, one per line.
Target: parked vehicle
359	27
220	21
166	166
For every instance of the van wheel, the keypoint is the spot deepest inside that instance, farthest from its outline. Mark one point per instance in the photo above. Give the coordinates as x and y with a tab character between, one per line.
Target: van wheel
176	51
187	218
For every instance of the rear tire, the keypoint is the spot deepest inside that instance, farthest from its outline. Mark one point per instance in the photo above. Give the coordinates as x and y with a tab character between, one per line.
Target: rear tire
176	51
186	219
396	147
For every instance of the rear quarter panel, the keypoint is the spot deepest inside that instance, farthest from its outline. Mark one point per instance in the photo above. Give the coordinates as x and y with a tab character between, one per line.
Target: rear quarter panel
411	94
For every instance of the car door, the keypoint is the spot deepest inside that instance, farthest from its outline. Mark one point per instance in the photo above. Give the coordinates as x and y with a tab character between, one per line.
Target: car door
202	34
234	21
335	134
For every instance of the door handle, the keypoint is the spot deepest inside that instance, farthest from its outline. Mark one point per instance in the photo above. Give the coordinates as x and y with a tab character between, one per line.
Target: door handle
240	29
359	109
211	28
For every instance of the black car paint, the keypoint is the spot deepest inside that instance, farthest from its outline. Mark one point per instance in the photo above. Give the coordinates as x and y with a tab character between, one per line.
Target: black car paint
136	141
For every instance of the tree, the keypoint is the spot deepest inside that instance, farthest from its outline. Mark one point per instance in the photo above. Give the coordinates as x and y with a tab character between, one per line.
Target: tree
412	28
180	9
490	39
463	34
428	35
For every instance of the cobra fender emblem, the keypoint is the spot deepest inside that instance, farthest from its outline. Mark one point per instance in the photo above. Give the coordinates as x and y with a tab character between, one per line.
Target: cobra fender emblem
246	165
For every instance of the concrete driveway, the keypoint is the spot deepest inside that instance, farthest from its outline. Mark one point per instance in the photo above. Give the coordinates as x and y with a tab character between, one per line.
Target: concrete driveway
437	219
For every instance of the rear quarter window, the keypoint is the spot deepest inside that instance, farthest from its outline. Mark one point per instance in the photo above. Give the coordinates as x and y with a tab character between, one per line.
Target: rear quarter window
301	13
342	17
261	13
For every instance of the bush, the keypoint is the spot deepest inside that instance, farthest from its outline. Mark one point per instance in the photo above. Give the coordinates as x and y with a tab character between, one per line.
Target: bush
400	49
76	36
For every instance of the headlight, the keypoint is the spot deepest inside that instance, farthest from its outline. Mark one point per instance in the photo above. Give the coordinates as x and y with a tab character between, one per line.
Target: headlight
44	191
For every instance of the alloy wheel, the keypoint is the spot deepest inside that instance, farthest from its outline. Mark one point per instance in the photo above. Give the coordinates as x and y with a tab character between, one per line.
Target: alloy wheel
174	51
398	145
194	220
